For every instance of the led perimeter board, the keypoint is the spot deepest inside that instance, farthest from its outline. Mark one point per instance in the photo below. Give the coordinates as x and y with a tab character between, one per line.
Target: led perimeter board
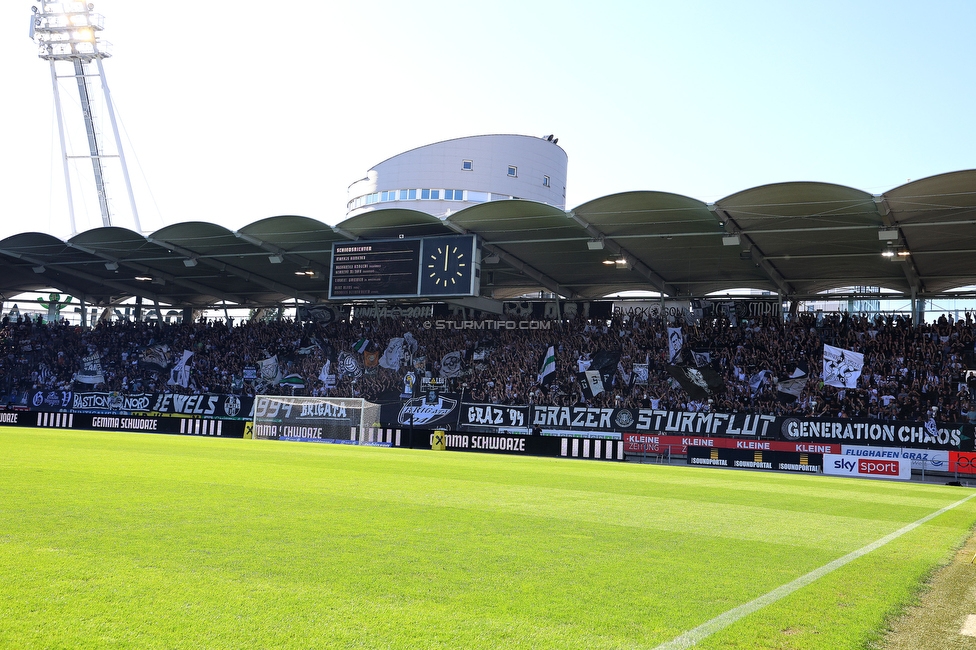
405	268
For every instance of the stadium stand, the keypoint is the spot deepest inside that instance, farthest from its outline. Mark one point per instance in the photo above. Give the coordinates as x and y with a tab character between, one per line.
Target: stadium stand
908	369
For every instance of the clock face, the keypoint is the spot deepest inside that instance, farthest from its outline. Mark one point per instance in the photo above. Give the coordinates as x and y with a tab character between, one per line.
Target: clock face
446	266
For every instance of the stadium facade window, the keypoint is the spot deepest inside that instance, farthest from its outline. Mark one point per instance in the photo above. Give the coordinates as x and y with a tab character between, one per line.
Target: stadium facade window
467	165
545	181
513	171
470	196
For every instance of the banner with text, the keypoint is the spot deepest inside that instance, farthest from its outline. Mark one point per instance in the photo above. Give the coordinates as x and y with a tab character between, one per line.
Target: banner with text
229	406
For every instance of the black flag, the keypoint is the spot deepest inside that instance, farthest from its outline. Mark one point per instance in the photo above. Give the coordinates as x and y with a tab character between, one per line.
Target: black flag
699	383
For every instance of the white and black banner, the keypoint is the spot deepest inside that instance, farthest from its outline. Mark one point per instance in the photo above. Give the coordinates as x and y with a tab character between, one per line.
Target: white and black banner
180	374
419	412
841	368
187	426
451	364
348	365
591	383
155	356
91	370
641	373
215	405
494	415
676	341
268	370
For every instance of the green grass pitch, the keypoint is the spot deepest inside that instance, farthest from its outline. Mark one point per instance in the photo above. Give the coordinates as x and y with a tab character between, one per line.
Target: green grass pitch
150	541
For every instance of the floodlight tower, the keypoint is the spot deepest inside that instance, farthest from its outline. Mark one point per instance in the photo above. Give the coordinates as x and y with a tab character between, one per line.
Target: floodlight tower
68	33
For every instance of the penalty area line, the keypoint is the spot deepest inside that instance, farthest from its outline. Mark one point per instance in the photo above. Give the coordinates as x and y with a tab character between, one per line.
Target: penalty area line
722	621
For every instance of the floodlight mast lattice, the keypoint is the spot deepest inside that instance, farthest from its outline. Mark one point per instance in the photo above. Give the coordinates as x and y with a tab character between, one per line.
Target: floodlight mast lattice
68	32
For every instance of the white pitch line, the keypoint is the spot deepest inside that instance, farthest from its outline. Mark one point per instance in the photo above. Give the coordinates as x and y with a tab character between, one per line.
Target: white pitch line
722	621
969	626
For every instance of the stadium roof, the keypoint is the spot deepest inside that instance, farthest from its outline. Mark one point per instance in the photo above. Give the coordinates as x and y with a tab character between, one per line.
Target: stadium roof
796	239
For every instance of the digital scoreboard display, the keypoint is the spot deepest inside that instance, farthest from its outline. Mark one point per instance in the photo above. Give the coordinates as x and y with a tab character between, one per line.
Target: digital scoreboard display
376	269
405	268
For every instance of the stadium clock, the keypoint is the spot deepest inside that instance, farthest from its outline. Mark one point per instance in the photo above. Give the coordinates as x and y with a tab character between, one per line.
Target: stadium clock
447	266
405	268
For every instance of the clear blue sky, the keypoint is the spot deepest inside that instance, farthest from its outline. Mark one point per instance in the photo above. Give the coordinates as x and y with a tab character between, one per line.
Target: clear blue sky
263	109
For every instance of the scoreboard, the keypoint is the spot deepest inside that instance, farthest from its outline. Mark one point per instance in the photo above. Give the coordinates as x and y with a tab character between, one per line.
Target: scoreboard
405	268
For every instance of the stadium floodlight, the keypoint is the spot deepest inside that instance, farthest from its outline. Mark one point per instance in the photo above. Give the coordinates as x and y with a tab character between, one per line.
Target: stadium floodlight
67	35
39	269
888	234
68	31
190	262
143	278
111	266
730	240
595	244
276	259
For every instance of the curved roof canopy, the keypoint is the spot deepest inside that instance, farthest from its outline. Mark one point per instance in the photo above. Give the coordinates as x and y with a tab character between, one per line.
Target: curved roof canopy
796	239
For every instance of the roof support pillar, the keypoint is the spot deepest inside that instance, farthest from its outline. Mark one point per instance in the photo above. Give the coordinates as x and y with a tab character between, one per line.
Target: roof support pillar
659	283
757	255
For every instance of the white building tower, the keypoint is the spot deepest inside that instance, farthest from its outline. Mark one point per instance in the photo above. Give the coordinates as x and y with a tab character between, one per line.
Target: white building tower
68	37
445	177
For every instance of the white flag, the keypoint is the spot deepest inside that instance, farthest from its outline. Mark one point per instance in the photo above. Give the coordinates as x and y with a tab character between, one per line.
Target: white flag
626	376
180	374
393	355
841	367
757	380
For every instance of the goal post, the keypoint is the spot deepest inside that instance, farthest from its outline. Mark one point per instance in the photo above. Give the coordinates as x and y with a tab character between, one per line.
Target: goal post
316	419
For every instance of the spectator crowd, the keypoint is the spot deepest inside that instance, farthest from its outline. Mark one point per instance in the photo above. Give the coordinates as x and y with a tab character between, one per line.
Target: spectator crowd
908	370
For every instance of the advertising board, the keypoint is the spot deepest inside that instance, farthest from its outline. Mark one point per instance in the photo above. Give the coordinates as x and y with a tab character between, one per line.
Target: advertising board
783	461
888	468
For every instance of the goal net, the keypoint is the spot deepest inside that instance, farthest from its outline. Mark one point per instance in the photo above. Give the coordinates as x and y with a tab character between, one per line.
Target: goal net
322	419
